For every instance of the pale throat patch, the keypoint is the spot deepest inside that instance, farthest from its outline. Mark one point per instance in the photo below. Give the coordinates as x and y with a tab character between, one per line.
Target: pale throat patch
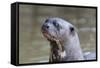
62	54
60	51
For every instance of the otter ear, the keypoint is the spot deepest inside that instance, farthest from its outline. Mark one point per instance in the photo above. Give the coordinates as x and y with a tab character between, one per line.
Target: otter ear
72	30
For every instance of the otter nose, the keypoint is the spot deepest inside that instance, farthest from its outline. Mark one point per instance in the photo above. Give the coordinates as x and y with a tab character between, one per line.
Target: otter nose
45	27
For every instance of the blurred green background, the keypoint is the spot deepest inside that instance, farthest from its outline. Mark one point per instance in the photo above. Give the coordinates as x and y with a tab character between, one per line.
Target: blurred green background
34	48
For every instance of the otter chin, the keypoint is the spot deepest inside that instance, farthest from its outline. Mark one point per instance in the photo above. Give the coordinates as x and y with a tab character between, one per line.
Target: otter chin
48	36
64	41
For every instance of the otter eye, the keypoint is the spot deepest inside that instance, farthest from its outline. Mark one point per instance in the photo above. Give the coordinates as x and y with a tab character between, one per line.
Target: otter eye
55	24
46	20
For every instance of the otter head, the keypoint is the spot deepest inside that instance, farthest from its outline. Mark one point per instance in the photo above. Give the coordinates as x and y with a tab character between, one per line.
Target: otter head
57	29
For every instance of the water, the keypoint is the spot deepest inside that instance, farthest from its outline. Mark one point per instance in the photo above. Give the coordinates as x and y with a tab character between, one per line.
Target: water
34	48
38	49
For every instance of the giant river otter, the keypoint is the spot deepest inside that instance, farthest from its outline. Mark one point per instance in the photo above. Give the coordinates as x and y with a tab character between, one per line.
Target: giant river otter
64	41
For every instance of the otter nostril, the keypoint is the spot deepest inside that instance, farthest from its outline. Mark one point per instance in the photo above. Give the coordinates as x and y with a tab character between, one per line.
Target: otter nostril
45	26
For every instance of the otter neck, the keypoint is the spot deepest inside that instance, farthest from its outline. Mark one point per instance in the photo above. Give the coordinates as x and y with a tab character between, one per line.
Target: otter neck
73	49
57	51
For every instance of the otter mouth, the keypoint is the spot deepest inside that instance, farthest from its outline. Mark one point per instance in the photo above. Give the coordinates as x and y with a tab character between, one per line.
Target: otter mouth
48	36
53	40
